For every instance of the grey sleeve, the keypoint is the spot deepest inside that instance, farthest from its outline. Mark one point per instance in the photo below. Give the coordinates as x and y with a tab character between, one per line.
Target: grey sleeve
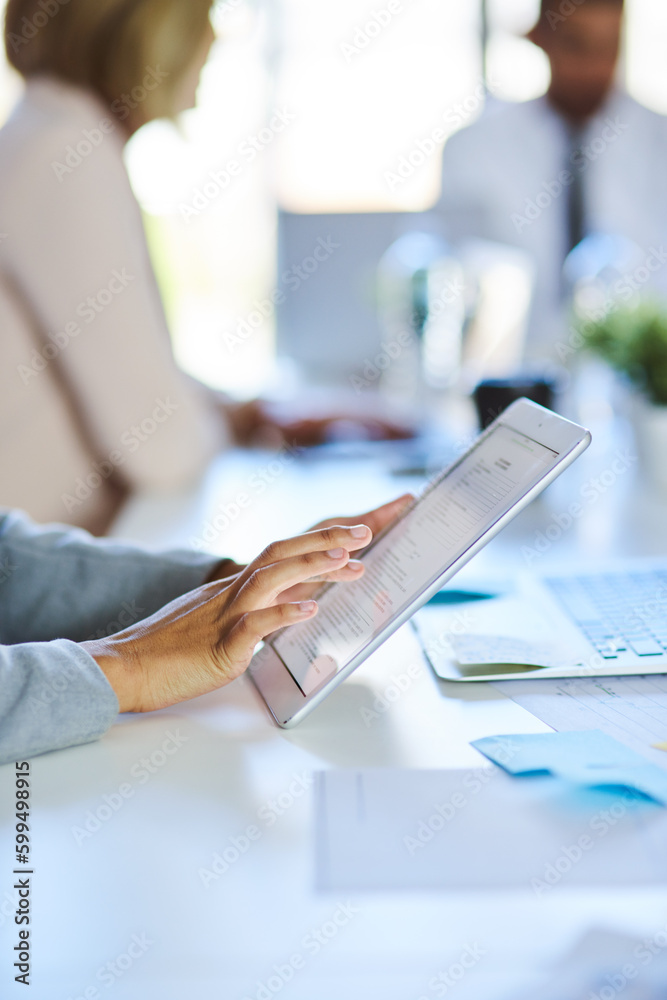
59	583
59	587
52	695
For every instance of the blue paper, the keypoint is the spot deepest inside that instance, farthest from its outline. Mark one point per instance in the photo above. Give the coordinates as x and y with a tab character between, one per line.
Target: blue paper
459	597
590	757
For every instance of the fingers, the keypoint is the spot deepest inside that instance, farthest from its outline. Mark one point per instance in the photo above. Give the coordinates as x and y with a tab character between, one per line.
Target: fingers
254	626
379	518
264	585
329	538
320	555
354	570
396	432
305	433
378	429
376	519
225	570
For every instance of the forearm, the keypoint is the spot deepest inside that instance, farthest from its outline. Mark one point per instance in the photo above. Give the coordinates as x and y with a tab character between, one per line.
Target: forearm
62	583
120	667
52	695
59	694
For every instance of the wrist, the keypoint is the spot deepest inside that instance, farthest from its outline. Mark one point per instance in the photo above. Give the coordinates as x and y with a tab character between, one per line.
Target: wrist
121	674
223	570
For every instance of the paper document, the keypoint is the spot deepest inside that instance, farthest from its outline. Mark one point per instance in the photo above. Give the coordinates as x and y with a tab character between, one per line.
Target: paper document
402	829
631	709
469	650
490	638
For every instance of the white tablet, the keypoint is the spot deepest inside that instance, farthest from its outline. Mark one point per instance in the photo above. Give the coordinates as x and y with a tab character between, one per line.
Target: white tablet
461	510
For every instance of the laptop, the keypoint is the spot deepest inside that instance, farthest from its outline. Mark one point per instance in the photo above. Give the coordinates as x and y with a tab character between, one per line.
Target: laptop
589	623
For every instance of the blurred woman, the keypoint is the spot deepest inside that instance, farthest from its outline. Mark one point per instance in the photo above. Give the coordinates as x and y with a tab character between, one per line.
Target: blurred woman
92	403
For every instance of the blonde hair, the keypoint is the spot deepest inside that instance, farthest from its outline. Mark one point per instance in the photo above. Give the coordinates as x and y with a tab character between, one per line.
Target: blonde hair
110	46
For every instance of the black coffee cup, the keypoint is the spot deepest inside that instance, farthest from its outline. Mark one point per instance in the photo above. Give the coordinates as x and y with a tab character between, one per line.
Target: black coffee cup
493	395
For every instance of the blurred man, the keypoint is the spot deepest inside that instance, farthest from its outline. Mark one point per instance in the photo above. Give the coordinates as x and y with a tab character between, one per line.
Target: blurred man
584	158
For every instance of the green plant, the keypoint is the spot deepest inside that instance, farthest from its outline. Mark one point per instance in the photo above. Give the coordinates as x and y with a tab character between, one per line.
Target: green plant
633	341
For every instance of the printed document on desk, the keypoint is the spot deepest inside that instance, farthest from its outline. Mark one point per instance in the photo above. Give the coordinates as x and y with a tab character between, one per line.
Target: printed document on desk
631	709
481	829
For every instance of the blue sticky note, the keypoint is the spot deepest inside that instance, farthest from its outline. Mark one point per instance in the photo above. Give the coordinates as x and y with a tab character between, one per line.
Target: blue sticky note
544	753
589	757
646	778
459	597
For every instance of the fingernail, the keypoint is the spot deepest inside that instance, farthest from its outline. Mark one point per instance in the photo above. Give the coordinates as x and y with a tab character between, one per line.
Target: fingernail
359	531
306	607
336	553
355	564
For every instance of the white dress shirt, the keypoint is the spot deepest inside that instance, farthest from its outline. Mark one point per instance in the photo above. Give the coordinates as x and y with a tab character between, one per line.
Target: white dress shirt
88	382
502	180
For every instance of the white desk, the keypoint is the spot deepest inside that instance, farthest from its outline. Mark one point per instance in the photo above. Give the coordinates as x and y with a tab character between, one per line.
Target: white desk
138	874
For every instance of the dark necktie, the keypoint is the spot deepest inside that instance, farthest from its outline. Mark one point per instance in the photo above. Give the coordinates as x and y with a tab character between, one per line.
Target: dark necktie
576	204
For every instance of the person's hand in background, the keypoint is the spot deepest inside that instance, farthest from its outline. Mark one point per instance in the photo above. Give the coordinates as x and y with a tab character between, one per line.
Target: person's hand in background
270	425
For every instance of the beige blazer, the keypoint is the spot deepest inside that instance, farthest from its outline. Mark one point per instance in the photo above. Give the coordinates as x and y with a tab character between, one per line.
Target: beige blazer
92	403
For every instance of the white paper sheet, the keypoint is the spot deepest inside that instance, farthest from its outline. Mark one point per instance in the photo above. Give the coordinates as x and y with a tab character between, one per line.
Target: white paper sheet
631	709
410	829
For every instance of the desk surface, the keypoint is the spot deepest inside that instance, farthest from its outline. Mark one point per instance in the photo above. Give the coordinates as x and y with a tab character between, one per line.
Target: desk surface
128	891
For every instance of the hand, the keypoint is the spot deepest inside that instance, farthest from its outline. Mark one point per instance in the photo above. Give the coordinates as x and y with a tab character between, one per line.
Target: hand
207	638
225	570
308	431
269	426
376	520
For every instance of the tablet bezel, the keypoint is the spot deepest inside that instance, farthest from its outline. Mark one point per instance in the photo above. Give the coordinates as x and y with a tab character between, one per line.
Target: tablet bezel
285	700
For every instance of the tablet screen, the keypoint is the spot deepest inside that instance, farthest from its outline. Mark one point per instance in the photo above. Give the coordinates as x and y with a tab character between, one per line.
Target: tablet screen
449	517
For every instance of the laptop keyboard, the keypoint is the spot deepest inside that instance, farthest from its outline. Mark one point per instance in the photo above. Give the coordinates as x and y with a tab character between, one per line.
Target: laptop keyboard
617	612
